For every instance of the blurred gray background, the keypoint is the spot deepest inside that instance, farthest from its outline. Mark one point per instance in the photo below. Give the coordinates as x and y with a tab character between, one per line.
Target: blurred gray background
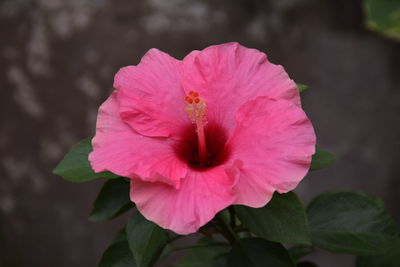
57	63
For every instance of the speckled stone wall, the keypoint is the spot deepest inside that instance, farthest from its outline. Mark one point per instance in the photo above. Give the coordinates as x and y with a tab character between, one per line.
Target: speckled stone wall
57	62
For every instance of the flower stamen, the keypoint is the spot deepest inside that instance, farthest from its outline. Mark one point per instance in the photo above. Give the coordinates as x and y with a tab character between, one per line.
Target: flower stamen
196	110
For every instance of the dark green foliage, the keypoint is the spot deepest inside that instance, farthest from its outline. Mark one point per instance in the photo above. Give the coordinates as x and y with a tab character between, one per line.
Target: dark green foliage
283	219
302	87
146	239
306	264
321	159
350	222
206	255
257	252
118	253
384	16
390	258
75	166
299	251
112	200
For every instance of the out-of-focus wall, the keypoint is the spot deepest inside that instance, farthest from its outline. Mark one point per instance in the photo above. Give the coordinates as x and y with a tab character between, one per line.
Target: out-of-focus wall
57	62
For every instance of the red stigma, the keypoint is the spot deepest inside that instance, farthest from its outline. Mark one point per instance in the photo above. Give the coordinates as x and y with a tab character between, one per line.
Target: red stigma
192	97
188	99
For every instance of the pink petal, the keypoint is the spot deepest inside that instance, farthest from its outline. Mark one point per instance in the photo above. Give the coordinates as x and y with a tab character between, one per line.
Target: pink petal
228	75
202	194
271	149
151	97
119	149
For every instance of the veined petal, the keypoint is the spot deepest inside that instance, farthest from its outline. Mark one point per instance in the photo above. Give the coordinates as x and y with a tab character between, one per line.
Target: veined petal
119	149
202	194
252	136
272	146
150	95
229	75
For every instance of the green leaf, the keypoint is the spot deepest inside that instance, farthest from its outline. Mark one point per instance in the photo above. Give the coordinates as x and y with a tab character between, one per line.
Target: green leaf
112	200
204	256
321	159
389	259
297	252
146	239
306	264
283	219
75	166
383	16
350	222
257	252
118	253
302	87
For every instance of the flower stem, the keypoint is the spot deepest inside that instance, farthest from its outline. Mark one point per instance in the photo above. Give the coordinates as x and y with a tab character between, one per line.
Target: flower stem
226	230
232	217
172	239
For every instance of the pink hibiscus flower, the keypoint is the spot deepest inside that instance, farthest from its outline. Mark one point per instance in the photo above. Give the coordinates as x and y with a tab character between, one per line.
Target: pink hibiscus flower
223	126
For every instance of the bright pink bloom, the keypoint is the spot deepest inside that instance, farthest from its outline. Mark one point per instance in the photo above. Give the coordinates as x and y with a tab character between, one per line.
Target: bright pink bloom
223	126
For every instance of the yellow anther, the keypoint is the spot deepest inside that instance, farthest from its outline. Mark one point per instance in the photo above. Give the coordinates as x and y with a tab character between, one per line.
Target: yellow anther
196	110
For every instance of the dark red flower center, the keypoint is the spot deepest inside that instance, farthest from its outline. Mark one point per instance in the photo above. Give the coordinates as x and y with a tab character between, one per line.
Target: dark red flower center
218	151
